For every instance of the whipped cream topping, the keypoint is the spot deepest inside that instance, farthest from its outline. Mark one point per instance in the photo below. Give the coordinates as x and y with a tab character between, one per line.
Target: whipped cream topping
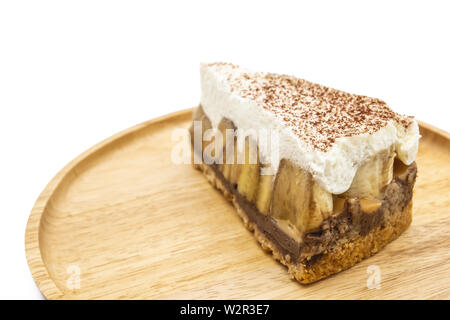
327	132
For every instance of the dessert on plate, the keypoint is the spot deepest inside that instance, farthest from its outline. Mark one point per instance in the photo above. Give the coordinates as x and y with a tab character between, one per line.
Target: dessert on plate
322	177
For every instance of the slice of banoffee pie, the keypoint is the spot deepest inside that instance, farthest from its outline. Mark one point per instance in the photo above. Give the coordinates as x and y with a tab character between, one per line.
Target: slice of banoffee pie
322	177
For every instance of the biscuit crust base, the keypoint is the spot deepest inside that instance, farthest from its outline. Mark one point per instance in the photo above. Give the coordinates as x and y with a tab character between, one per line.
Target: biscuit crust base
333	260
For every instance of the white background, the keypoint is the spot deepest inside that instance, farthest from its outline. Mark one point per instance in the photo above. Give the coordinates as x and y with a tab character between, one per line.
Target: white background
73	73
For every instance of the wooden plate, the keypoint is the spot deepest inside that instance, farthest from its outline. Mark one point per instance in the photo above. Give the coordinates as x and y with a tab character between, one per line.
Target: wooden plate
122	221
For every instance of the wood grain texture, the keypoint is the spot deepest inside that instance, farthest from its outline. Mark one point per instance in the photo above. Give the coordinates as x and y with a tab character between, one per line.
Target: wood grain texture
137	226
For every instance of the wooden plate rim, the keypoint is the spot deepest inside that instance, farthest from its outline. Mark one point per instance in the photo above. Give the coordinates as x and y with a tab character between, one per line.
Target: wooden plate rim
36	264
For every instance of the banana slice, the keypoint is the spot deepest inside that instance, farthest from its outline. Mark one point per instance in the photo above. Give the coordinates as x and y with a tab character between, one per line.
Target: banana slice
372	176
224	125
369	206
321	206
297	198
338	205
399	167
248	180
264	193
199	115
234	167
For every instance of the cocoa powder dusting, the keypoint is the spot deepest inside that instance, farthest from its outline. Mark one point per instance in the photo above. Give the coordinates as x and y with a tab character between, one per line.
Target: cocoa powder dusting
317	114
